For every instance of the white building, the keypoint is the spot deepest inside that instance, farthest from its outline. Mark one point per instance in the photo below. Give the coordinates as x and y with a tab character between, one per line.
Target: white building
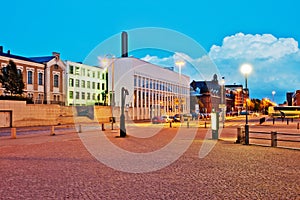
86	85
153	90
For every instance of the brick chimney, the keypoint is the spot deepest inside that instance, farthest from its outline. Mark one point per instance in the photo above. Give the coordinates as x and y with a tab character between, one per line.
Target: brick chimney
57	55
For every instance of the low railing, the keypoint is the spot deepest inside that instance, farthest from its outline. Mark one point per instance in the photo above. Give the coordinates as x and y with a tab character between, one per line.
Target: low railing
272	136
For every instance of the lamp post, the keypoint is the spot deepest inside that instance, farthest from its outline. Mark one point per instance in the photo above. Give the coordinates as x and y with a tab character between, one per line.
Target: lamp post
273	94
124	92
107	63
223	100
246	70
179	64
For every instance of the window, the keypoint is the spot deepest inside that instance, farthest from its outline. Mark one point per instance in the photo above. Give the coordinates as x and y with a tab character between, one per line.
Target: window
83	95
94	75
93	85
19	71
5	69
40	76
77	83
55	81
71	69
29	77
71	94
30	95
77	95
103	86
88	73
135	81
99	74
88	96
77	70
94	96
103	76
83	84
71	82
98	86
88	84
83	72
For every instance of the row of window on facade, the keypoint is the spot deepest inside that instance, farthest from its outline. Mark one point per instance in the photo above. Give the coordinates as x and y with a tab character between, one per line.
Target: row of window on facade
143	82
40	97
83	85
81	71
145	99
40	77
86	96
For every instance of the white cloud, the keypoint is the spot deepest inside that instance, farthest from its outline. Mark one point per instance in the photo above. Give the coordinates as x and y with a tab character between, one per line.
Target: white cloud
266	46
275	61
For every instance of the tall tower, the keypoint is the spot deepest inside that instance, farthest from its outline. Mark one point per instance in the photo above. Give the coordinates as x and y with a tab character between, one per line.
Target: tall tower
124	44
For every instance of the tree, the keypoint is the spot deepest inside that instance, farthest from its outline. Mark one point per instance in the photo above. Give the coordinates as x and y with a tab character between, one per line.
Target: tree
11	79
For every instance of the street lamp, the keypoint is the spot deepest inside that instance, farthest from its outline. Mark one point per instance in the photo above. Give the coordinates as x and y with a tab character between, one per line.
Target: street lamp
246	70
107	62
180	64
273	93
223	100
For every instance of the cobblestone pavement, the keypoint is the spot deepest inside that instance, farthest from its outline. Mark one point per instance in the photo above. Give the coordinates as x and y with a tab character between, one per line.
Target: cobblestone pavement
40	166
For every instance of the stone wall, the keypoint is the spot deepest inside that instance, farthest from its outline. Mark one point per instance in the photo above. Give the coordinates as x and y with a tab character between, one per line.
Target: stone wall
49	114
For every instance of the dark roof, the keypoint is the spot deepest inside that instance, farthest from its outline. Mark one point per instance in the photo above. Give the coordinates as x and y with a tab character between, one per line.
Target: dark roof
42	59
205	86
233	86
16	57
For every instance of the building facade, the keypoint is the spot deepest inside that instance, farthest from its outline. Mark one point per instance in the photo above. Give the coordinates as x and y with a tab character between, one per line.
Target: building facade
206	95
43	80
235	98
296	98
152	90
85	85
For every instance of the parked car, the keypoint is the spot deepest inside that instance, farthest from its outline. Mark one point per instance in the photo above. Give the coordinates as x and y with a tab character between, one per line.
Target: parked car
167	118
204	115
244	112
161	119
187	116
158	120
178	117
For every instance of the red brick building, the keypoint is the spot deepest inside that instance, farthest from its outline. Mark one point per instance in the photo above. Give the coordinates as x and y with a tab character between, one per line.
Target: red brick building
43	76
296	98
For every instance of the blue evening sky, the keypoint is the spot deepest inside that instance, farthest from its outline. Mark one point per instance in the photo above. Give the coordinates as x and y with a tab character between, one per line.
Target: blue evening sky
74	28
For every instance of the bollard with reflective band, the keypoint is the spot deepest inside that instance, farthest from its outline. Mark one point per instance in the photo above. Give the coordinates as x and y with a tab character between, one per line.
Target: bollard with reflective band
215	125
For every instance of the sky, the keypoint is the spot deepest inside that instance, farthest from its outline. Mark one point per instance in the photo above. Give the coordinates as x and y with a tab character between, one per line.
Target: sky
263	33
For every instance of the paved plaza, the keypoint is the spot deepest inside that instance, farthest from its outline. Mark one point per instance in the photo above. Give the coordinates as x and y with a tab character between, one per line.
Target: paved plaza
40	166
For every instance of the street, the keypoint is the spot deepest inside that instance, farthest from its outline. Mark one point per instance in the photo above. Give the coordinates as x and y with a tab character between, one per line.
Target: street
40	166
